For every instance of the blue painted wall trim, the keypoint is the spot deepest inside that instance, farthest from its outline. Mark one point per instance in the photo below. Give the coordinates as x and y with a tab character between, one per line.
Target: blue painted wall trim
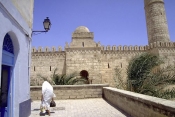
25	108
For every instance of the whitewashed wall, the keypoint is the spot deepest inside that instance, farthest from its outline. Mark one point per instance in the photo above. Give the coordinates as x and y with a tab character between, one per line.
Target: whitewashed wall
14	24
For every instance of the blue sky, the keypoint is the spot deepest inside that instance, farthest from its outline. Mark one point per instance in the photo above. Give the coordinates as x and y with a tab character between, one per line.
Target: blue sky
114	22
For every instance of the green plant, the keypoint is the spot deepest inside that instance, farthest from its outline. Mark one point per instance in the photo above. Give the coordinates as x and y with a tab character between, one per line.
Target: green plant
138	70
64	79
145	76
157	82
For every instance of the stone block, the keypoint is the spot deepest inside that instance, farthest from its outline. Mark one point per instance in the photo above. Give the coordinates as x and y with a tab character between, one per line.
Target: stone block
98	93
99	96
89	93
80	97
87	96
35	94
64	97
94	96
91	90
75	94
73	97
99	90
58	97
39	93
33	97
67	94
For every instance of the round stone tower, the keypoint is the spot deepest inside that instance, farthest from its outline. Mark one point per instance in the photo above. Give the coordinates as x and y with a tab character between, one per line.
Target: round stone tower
157	28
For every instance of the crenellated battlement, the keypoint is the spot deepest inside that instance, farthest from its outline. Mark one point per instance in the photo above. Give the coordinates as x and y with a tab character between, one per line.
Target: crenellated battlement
123	48
139	48
47	49
109	48
162	45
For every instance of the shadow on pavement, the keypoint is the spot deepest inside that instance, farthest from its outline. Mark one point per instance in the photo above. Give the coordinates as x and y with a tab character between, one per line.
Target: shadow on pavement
35	109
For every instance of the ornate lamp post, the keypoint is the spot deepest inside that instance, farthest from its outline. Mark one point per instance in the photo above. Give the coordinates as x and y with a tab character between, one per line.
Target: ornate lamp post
46	24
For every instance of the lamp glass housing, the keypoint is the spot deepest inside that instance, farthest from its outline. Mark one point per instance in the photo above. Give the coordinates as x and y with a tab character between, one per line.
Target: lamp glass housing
47	24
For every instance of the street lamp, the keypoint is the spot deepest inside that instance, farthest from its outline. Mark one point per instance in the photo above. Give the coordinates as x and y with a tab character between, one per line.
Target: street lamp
46	24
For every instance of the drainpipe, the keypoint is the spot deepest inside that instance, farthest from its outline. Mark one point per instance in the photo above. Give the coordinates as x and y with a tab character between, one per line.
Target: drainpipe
29	61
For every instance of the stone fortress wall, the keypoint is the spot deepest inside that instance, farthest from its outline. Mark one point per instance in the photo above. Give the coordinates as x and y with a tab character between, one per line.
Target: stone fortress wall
99	61
44	63
83	53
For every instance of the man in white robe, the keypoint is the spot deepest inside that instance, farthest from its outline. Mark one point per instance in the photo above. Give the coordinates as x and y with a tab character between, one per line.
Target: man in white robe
47	96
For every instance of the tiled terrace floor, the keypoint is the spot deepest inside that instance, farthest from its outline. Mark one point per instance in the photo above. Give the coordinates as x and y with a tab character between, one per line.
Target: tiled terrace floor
97	107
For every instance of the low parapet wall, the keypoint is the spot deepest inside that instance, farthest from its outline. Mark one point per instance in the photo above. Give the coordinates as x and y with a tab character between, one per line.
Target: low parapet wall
138	105
71	91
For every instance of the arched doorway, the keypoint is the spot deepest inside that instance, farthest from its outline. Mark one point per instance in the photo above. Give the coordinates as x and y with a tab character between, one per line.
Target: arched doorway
85	75
5	81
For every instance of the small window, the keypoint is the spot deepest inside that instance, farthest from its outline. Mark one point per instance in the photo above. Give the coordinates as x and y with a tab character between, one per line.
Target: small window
50	68
121	65
108	65
8	44
83	44
34	68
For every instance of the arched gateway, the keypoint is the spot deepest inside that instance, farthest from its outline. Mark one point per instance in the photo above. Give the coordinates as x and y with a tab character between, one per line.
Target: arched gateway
6	76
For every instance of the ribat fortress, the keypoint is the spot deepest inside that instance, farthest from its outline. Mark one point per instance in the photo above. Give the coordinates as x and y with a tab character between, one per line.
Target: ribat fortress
98	62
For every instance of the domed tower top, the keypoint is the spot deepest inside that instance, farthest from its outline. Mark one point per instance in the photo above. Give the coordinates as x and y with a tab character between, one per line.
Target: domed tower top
81	29
82	32
82	37
157	28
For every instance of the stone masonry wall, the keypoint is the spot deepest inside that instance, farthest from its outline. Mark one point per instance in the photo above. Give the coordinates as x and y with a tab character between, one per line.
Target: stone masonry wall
112	59
44	64
165	50
84	59
99	62
70	91
156	22
82	39
138	105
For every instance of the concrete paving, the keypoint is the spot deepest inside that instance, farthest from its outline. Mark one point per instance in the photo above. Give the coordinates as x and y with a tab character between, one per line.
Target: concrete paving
97	107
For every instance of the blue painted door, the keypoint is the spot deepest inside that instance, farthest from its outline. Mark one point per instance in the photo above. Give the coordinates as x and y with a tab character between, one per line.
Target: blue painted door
5	82
4	91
